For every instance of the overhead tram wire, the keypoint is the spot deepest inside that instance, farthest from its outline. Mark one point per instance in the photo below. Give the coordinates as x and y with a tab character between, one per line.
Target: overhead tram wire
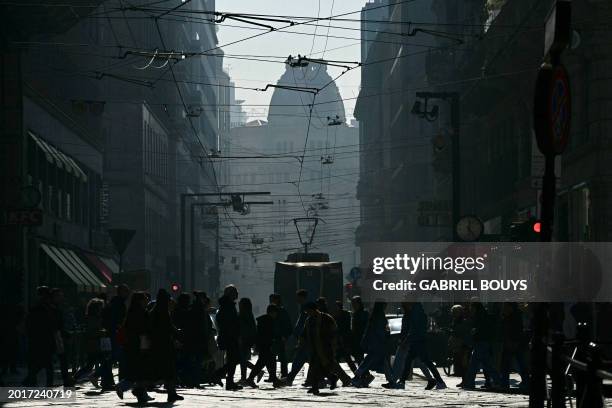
389	92
339	18
298	24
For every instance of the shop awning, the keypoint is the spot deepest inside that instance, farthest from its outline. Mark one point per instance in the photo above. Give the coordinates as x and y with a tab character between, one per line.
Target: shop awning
102	265
89	275
58	158
66	266
112	265
69	262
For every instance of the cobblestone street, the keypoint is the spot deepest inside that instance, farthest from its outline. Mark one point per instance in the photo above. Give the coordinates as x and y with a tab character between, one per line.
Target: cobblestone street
295	396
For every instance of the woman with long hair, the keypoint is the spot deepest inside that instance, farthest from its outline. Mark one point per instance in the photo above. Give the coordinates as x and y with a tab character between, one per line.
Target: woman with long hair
163	336
97	346
137	331
248	332
374	343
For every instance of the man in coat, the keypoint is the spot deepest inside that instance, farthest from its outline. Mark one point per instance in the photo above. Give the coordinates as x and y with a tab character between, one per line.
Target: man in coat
321	336
229	332
264	342
302	351
40	330
282	331
359	322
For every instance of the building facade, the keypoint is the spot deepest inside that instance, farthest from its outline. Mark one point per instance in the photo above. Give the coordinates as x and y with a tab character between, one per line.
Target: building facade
309	162
110	137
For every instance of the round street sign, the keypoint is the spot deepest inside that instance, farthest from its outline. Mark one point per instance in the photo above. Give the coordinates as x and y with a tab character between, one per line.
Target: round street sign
552	109
355	273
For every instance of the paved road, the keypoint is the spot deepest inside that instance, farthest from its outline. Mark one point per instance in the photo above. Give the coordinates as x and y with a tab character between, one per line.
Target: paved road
295	396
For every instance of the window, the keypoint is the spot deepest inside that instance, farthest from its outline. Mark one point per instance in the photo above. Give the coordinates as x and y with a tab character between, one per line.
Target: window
68	207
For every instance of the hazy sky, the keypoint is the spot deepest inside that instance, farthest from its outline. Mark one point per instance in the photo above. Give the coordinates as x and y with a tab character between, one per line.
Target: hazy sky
279	43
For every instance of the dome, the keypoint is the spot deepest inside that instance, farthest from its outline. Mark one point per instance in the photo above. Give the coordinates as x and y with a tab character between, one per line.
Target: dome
288	106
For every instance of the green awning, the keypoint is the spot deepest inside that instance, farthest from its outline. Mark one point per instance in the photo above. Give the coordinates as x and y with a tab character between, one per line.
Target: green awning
61	160
83	269
66	266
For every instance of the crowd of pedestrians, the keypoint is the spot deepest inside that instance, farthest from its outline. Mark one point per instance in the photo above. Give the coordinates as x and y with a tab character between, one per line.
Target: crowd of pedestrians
192	341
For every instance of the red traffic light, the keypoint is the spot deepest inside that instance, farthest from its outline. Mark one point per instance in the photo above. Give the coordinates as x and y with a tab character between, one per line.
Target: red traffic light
349	286
537	227
175	287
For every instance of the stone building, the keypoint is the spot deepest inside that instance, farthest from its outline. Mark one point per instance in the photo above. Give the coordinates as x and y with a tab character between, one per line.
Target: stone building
400	196
323	185
495	72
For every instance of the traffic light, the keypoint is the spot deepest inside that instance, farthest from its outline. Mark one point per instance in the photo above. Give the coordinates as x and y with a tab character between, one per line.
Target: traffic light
537	227
175	287
526	231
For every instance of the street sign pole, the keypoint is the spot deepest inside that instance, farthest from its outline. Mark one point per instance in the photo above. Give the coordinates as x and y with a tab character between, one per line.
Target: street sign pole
183	201
552	115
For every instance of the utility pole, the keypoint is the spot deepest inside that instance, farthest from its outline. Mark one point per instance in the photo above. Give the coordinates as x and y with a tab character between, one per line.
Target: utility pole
192	234
453	99
183	201
551	125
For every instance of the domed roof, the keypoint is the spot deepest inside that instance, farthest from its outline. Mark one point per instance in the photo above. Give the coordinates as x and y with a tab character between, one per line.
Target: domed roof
290	106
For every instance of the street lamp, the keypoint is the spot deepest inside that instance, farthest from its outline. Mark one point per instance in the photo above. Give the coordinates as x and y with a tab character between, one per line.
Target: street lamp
430	116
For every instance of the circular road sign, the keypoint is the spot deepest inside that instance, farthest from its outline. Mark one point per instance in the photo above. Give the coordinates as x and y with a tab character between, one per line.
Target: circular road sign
552	109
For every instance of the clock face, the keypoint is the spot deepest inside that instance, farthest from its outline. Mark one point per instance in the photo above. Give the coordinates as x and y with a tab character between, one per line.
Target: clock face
469	228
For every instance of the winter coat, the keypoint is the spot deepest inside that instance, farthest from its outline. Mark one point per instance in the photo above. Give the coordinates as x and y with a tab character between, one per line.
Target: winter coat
343	321
265	331
376	335
198	329
114	314
417	325
512	330
93	332
482	326
228	324
359	322
248	330
40	327
321	331
137	360
282	324
298	330
163	334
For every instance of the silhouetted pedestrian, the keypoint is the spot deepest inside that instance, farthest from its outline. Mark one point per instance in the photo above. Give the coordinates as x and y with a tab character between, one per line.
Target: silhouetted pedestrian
343	321
114	316
374	343
163	337
97	346
321	332
417	347
302	349
40	330
229	333
514	346
248	335
282	331
266	326
138	355
359	322
482	353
